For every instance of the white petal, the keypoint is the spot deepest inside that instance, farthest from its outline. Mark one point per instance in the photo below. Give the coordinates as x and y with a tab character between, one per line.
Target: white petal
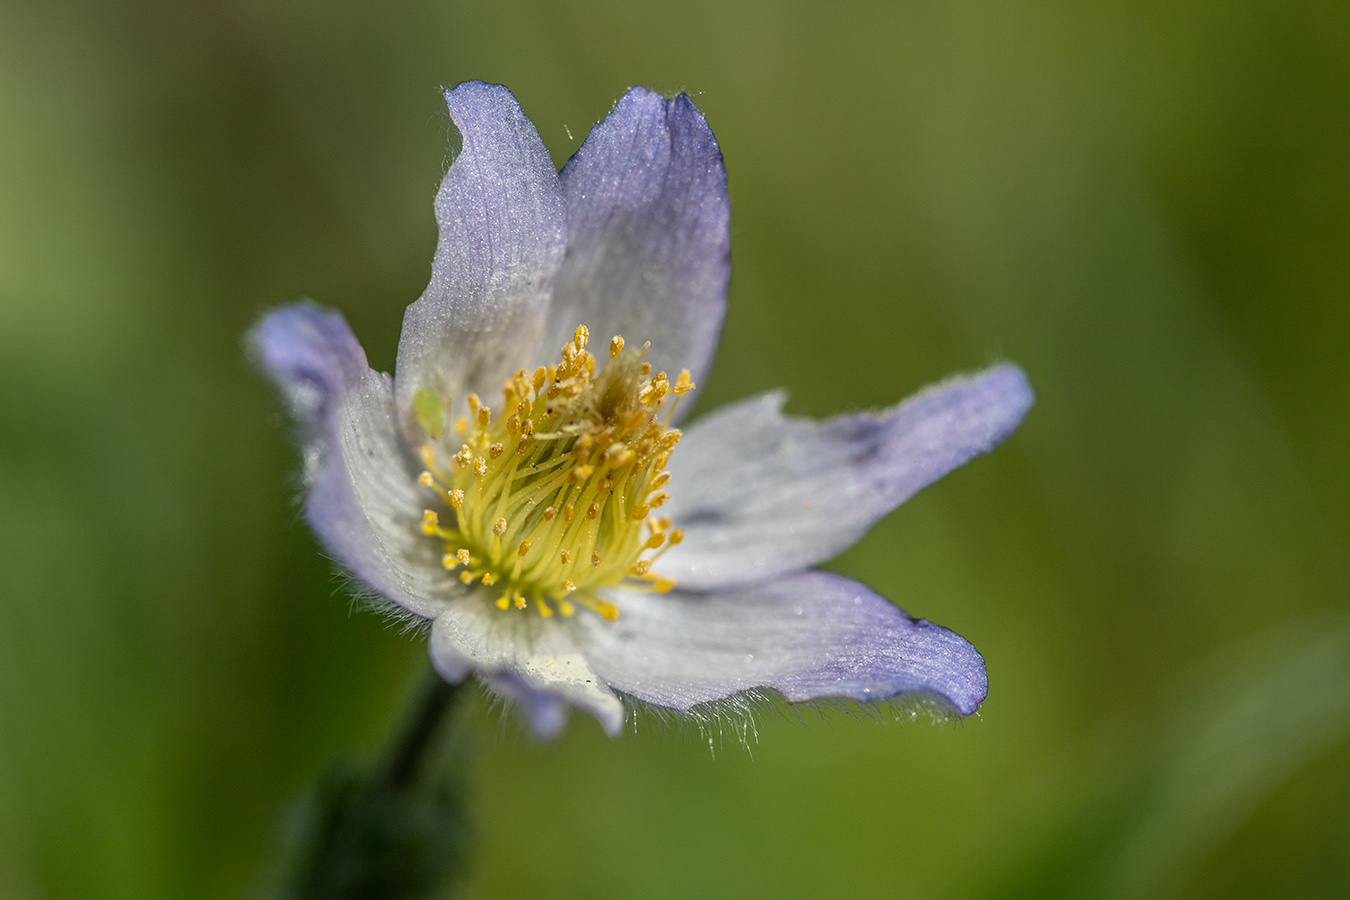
648	235
809	636
503	230
760	494
531	658
362	500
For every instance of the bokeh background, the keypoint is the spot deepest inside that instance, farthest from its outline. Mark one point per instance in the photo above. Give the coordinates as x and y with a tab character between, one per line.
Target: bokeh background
1147	204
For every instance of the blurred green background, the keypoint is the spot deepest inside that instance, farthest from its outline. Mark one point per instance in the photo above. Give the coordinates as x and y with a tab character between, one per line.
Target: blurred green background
1146	204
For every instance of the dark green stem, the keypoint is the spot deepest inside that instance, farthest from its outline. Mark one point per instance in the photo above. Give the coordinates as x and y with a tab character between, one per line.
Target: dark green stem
434	700
390	829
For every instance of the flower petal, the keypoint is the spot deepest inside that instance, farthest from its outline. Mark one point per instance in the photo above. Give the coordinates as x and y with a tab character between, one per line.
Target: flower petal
362	499
503	231
526	656
648	232
811	635
760	494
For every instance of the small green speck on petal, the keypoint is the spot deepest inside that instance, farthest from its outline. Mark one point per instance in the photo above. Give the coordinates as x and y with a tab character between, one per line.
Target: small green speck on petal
430	416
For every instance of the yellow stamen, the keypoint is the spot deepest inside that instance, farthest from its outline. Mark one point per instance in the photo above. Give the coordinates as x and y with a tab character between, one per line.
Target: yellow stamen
586	440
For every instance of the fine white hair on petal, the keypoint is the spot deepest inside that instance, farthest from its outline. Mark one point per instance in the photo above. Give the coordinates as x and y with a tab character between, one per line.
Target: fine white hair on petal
525	656
502	236
739	717
362	499
648	234
807	636
761	494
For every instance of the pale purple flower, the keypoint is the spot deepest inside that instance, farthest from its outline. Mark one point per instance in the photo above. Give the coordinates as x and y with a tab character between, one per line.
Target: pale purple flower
542	517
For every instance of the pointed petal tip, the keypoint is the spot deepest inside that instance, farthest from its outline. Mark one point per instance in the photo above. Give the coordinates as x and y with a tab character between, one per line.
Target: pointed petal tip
305	340
957	675
1009	382
475	88
310	353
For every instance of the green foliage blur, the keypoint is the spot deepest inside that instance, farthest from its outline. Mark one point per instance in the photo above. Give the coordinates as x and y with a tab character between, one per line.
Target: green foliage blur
1146	204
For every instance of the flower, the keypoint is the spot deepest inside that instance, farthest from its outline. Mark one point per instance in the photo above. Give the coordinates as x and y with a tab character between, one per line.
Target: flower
567	541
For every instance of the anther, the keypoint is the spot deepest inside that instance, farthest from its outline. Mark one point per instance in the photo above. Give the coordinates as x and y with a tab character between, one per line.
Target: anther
466	576
499	527
641	567
462	424
656	540
520	601
480	466
566	608
595	558
569	512
581	336
615	345
540	377
484	416
580	473
504	601
660	481
462	556
618	456
683	382
524	548
456	498
449	561
526	428
565	557
426	480
474	403
489	579
569	584
543	607
640	512
659	500
676	536
513	425
550	513
495	450
593	511
428	455
646	369
606	484
430	522
606	610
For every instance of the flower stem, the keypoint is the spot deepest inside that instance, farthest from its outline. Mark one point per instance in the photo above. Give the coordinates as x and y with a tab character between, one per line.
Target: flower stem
393	828
417	737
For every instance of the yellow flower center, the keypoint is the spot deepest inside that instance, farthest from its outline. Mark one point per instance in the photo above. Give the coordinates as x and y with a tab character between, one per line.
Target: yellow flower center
552	497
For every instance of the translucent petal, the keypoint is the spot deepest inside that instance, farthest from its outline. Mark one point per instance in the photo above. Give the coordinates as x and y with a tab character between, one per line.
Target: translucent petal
647	234
760	494
503	229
